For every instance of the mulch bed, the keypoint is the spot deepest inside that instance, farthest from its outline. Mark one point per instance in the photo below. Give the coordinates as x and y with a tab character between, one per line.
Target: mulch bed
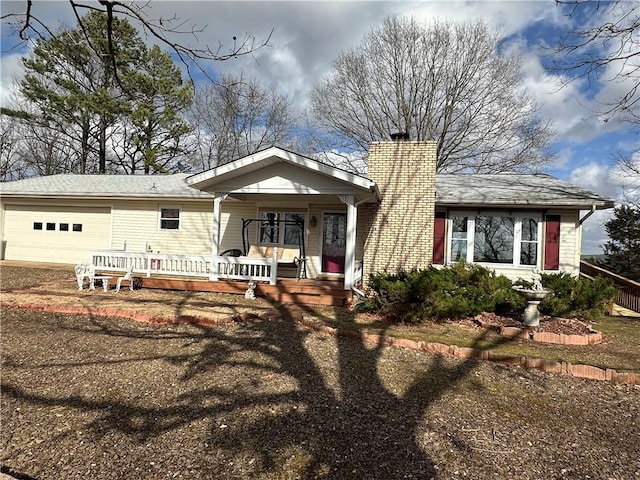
106	398
567	326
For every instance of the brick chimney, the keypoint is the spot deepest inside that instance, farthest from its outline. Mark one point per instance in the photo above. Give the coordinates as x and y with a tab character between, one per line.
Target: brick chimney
400	228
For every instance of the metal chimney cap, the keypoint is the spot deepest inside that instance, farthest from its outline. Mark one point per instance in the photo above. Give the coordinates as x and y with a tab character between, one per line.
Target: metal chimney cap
400	136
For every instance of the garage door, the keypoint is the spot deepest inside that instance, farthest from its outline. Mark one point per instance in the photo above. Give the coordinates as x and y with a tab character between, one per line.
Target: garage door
55	234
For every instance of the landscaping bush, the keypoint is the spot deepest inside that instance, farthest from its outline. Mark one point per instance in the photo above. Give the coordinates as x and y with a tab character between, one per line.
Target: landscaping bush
453	292
576	296
462	290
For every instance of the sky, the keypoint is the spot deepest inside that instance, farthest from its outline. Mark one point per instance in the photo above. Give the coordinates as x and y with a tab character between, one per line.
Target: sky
305	37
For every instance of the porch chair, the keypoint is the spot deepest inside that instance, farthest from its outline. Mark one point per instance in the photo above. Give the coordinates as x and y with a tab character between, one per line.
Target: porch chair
83	270
128	277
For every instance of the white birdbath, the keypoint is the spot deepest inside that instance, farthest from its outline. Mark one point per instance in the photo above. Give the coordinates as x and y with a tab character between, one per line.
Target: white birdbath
533	296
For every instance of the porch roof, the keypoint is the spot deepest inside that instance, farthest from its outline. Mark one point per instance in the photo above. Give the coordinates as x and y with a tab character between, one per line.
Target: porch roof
279	171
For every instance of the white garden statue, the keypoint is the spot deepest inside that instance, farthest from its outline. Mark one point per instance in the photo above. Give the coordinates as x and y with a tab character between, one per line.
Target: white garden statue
250	293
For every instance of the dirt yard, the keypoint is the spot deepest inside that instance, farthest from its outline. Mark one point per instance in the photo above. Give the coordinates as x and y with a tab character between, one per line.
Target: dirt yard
106	398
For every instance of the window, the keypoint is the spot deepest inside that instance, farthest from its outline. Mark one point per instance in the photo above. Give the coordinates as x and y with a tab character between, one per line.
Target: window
293	228
77	227
169	218
37	225
269	227
64	227
51	226
529	242
458	238
281	228
494	238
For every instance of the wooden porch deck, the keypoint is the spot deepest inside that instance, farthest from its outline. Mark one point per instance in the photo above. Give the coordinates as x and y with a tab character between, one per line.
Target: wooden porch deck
286	290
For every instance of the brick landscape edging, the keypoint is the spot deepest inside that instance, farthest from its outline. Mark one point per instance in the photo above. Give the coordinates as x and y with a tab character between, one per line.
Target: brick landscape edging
561	368
593	338
549	366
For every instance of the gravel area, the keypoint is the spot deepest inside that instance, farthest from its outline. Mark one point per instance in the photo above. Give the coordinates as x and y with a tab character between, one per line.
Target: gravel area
105	398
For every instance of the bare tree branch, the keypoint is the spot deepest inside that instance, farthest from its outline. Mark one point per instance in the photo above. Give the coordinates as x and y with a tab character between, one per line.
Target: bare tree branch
162	29
606	51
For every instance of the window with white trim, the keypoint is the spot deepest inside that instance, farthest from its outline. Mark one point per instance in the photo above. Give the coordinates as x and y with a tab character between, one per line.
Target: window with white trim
495	238
281	228
169	218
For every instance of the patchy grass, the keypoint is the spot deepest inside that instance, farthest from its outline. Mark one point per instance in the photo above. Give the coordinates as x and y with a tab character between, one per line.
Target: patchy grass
619	349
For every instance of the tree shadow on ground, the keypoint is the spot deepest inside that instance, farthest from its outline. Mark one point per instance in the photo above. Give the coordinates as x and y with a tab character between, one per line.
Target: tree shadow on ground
278	398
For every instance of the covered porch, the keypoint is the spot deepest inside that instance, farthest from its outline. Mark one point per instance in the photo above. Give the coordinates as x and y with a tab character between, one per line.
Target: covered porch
266	195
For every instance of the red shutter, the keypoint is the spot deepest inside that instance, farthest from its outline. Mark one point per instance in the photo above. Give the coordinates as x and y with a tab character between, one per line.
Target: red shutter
439	237
552	243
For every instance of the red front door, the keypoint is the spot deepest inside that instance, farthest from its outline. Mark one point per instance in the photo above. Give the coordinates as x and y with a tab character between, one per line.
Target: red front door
334	241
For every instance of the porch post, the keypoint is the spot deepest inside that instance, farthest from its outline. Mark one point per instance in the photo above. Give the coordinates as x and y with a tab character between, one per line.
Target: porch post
215	234
350	253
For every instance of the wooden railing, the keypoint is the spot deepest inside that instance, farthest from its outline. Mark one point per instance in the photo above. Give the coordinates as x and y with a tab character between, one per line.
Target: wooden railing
628	290
233	268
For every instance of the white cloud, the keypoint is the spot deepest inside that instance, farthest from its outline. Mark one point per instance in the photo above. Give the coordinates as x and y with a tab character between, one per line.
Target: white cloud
10	73
600	179
616	182
597	178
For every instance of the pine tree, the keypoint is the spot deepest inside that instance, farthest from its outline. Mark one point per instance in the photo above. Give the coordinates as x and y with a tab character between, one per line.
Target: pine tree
622	251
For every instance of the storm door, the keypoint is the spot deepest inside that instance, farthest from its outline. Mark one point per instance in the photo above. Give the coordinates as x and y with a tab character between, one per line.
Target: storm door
334	236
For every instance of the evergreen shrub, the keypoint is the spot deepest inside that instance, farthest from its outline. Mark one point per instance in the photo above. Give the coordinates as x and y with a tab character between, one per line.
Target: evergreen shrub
463	290
453	292
576	296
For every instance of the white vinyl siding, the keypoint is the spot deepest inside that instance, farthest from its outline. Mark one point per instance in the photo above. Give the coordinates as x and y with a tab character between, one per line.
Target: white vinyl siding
136	225
231	224
570	240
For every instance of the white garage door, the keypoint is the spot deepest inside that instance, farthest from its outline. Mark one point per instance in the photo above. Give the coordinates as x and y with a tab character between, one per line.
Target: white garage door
54	233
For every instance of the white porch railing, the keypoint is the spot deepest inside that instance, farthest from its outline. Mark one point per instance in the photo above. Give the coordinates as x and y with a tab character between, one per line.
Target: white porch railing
247	268
232	268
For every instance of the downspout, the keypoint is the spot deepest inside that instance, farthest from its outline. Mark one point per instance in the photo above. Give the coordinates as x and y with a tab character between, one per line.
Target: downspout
587	215
359	292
